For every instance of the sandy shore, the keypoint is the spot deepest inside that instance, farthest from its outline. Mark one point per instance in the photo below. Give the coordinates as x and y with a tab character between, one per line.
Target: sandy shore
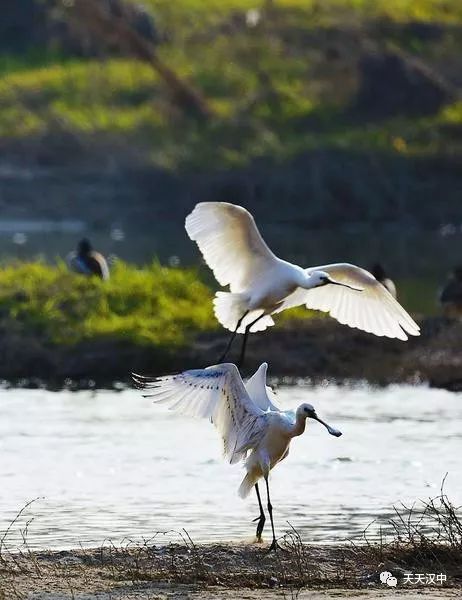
206	572
191	593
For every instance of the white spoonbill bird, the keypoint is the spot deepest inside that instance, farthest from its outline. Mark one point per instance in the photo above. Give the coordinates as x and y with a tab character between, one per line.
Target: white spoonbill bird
251	425
262	284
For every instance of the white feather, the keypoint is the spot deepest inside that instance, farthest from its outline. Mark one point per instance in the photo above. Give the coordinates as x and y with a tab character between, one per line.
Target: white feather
262	283
261	393
216	393
230	243
250	423
371	307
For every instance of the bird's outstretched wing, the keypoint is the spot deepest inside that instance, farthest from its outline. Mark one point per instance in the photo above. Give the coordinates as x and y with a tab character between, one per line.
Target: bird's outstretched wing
259	392
230	243
216	393
372	309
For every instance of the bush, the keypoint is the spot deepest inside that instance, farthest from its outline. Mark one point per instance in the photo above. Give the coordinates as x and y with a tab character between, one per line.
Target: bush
149	305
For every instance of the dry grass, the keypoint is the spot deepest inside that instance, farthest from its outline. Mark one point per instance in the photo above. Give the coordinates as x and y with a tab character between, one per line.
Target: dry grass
426	537
422	537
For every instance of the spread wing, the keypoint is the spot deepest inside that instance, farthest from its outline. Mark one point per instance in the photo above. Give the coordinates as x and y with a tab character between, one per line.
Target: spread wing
373	309
230	243
261	393
216	393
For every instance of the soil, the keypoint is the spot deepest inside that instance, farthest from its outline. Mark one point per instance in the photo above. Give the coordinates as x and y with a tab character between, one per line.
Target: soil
315	350
234	572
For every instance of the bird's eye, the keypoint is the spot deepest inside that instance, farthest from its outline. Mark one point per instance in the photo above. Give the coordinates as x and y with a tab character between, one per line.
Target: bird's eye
305	409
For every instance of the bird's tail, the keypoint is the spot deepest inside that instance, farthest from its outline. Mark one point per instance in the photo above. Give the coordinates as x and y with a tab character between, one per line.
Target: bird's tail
230	307
247	484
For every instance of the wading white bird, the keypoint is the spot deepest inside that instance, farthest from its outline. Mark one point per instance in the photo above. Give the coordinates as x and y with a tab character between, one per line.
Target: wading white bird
251	425
261	284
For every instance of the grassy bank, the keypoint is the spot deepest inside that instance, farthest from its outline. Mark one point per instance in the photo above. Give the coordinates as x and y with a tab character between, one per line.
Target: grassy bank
151	305
59	328
282	85
278	89
123	100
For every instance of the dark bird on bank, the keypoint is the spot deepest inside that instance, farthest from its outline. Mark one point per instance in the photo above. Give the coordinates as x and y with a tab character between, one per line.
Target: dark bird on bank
451	295
87	261
380	274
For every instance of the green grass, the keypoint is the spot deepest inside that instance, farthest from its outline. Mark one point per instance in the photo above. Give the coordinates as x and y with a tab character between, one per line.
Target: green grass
119	98
419	296
448	11
85	97
273	91
150	305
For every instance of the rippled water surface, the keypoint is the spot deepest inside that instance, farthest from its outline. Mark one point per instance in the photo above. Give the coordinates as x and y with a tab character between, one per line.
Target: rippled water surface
110	465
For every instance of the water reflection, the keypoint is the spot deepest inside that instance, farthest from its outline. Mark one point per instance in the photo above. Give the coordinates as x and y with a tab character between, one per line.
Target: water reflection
111	465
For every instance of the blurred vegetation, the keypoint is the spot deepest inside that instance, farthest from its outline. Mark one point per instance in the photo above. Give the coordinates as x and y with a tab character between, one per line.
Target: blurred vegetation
271	78
419	295
150	305
154	304
325	11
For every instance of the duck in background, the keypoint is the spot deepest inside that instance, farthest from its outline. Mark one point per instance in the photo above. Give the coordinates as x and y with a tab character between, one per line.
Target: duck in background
380	274
450	296
87	261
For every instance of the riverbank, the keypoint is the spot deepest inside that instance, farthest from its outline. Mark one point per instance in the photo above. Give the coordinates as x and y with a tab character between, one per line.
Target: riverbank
315	349
60	329
231	571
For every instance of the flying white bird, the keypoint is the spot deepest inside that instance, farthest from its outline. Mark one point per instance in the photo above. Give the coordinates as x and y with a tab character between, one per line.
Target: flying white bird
261	284
251	425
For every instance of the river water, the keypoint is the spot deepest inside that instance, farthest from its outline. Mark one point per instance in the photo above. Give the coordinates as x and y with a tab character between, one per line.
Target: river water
112	466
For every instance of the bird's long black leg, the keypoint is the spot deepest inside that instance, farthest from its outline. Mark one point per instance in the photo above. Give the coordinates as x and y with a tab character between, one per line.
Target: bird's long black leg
240	362
231	339
261	519
274	544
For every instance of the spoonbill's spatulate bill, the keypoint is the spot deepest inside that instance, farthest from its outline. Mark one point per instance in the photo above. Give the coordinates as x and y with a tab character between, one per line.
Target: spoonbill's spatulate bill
262	284
251	425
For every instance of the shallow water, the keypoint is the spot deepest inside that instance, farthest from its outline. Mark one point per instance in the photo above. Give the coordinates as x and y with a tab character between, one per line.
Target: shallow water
111	465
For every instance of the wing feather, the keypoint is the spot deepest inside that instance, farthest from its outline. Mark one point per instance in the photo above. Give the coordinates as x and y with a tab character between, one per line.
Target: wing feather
261	393
371	307
230	243
217	393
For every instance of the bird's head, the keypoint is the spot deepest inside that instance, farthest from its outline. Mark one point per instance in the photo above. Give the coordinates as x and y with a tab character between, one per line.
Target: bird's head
320	278
84	247
307	411
378	271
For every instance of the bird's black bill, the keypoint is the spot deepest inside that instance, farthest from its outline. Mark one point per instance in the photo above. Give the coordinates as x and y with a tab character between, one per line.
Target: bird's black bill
331	430
350	287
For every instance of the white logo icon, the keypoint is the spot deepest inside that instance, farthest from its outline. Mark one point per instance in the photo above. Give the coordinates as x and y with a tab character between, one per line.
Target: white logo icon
387	577
384	575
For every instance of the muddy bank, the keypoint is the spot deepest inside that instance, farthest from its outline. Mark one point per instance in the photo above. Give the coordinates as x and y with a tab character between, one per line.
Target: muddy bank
212	571
316	349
